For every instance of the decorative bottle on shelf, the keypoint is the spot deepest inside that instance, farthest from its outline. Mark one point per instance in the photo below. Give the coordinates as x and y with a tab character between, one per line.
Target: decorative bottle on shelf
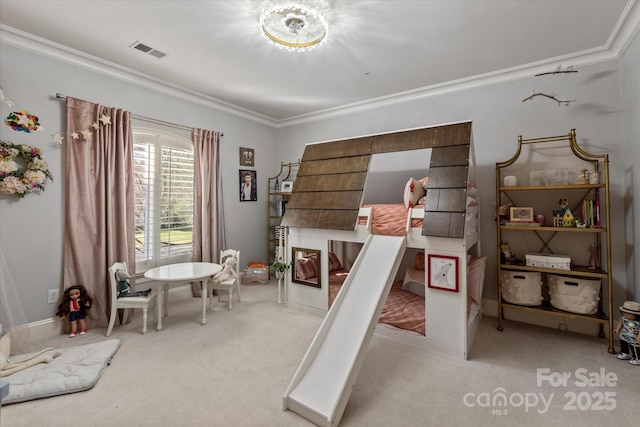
276	187
584	176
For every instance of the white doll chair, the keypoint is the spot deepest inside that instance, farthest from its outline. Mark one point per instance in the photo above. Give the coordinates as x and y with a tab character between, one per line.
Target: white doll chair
229	284
128	303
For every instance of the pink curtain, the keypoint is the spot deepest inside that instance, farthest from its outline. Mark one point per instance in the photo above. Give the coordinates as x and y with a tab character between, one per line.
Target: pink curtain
208	214
99	217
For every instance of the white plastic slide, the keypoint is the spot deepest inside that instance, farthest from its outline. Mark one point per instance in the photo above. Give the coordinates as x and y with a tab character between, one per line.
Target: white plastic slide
321	386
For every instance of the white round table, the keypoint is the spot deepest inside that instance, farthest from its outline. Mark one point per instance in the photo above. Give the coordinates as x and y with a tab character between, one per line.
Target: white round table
182	272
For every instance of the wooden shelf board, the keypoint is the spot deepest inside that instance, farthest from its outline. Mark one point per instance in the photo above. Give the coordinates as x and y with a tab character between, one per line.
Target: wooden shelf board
576	270
547	308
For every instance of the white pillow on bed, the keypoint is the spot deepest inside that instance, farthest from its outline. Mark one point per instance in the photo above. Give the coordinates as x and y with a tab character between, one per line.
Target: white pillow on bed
413	191
414	281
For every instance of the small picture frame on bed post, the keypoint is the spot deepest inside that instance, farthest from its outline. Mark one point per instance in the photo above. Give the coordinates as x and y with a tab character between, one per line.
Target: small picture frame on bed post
286	187
442	272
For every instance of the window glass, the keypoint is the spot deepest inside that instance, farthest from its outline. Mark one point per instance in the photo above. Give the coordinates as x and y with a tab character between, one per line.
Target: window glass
163	197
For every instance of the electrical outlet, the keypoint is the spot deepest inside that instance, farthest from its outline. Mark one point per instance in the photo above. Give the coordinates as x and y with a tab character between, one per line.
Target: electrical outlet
562	327
52	297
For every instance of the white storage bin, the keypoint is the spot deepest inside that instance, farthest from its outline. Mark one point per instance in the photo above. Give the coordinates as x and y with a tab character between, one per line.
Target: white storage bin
521	287
574	295
562	262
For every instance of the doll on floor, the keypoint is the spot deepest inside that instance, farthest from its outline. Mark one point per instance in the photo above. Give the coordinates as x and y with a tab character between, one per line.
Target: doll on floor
629	329
75	302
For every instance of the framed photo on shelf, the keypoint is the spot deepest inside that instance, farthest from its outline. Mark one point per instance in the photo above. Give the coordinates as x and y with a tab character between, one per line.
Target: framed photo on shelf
521	214
248	185
442	272
247	157
286	187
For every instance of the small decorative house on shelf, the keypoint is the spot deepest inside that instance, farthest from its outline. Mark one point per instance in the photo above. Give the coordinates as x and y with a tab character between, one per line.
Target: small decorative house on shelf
568	219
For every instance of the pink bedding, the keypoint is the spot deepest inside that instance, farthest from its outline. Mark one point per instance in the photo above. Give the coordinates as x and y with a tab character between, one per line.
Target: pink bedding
390	219
402	309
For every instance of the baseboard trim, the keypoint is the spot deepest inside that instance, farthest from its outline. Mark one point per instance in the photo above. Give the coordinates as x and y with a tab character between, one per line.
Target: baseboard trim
49	328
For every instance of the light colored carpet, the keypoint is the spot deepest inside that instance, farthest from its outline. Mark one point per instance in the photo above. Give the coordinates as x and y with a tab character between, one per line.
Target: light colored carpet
234	371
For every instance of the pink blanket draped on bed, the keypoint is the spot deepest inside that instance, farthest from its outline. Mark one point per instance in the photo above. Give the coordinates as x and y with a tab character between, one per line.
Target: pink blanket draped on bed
390	219
402	309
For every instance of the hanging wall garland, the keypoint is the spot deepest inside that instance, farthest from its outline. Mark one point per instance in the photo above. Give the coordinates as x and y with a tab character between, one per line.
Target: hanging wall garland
22	121
22	169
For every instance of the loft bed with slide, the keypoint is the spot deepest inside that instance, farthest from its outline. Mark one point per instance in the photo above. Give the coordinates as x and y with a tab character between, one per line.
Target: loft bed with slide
365	248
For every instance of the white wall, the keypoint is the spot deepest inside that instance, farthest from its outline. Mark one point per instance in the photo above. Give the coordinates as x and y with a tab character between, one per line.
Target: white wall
630	101
499	116
31	229
605	116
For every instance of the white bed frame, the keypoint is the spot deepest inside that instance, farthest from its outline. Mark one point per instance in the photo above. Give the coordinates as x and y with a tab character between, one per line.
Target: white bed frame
447	327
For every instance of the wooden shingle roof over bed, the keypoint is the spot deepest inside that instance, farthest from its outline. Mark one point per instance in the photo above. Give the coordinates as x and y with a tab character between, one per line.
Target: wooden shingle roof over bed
327	192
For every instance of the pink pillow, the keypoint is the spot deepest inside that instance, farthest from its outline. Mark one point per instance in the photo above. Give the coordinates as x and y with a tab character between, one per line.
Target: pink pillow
306	268
334	262
413	191
419	264
475	279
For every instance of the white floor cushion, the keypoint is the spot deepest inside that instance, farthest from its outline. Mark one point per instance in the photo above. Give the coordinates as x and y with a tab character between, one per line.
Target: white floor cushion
76	369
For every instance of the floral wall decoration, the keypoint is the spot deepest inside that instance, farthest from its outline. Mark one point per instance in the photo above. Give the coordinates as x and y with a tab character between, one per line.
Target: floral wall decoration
22	169
23	121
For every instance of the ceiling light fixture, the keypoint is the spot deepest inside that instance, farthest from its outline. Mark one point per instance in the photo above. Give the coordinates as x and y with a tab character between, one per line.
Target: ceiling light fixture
293	27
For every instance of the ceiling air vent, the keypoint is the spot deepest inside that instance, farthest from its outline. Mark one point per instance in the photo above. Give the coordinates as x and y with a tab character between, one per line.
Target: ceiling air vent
148	49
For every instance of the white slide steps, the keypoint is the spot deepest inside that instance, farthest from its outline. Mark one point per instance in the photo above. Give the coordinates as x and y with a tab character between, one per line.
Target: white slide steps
322	385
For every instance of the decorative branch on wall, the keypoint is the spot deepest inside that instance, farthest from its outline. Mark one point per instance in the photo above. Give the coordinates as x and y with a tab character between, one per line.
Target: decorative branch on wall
560	101
559	70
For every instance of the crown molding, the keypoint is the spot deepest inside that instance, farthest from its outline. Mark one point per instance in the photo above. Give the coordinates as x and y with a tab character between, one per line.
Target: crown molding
28	42
619	40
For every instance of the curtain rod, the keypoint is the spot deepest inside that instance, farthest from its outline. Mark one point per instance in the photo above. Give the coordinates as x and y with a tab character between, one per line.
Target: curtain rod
146	119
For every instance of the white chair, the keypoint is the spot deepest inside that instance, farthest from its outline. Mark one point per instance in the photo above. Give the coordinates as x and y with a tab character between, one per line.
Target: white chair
126	303
229	284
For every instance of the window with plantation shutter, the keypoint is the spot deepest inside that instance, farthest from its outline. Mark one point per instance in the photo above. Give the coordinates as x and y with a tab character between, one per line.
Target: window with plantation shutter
163	195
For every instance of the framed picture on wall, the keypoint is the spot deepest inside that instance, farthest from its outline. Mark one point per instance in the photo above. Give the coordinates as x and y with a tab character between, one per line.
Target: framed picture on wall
443	272
248	185
286	187
247	157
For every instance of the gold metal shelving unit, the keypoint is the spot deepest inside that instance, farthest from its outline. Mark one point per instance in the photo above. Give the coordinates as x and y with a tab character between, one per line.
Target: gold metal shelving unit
602	237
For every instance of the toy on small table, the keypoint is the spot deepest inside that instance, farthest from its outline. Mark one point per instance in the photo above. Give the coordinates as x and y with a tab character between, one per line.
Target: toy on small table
75	303
124	288
629	327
